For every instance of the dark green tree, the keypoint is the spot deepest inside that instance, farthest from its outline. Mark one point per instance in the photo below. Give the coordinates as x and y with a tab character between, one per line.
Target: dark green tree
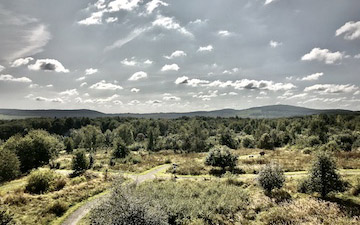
221	157
271	177
80	162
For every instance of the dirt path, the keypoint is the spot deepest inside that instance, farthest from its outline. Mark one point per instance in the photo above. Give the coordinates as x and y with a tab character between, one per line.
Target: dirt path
78	214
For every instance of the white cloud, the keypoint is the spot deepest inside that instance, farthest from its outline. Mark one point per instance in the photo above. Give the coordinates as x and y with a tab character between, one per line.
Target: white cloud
80	78
48	65
138	75
269	1
170	97
151	6
238	84
43	99
111	19
314	76
121	42
70	92
134	102
94	19
148	62
206	97
172	67
208	48
135	90
331	88
83	84
274	44
127	5
2	68
91	71
153	102
357	56
224	33
10	78
21	61
323	55
128	62
232	71
175	54
169	24
351	30
49	86
102	85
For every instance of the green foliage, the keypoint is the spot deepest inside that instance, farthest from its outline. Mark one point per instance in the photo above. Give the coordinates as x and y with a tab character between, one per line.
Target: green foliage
69	144
271	177
36	149
9	165
80	162
266	142
120	149
123	208
91	137
248	141
125	133
42	181
58	208
227	138
221	157
323	177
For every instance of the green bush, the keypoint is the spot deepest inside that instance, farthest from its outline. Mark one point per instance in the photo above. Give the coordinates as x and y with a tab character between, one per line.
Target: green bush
266	142
271	177
221	157
58	208
227	139
42	181
80	163
248	141
120	151
323	177
9	165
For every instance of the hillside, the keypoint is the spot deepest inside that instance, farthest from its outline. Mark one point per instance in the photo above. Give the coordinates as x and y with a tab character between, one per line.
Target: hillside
271	111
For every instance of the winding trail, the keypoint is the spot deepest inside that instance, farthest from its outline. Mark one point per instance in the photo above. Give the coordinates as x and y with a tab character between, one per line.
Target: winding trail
82	211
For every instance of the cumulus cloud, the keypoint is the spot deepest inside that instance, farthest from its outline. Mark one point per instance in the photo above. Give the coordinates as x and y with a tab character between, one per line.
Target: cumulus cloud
331	88
238	84
170	97
10	78
206	96
274	44
323	55
48	65
103	85
232	71
314	76
148	62
138	75
208	48
175	54
127	5
90	71
111	19
70	92
151	6
351	30
21	61
224	33
94	19
135	90
2	68
171	67
168	23
269	1
43	99
81	78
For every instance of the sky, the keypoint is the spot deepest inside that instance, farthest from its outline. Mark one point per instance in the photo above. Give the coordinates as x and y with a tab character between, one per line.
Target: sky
143	56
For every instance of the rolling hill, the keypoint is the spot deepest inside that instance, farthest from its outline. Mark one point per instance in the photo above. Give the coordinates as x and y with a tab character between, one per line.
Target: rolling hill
271	111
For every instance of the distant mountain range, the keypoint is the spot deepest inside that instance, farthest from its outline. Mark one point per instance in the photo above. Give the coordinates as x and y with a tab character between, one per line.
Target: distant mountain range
271	111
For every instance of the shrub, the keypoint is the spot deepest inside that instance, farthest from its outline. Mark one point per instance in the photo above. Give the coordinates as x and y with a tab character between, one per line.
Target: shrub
271	177
42	181
221	157
227	139
355	190
58	208
323	176
123	208
120	151
69	144
9	165
265	142
248	141
80	163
